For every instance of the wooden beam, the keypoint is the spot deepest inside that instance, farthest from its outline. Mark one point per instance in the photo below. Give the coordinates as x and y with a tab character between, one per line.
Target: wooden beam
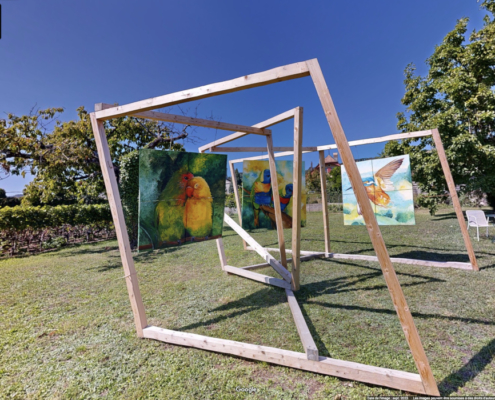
424	263
269	280
113	196
237	198
264	265
323	184
398	136
280	74
314	253
259	249
376	237
221	254
455	199
325	366
205	123
276	201
264	124
255	149
302	328
296	198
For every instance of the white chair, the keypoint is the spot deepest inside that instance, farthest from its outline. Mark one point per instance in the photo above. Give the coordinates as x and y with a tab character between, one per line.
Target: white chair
478	219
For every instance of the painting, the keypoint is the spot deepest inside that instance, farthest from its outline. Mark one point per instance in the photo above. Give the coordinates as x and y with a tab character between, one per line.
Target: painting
181	197
388	184
257	198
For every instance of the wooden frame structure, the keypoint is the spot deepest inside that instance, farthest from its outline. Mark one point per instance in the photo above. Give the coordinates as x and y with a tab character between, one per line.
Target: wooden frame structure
286	151
423	383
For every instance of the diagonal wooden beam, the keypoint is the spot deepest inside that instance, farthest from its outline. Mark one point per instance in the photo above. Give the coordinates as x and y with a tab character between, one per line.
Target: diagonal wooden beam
269	280
205	123
279	74
264	124
393	284
259	249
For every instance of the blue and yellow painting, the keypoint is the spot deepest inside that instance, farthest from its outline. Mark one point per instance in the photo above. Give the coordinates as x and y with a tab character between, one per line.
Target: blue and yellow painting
388	185
181	197
257	197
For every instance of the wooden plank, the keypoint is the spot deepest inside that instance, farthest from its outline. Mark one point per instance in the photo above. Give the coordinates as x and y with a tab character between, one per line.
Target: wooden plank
264	265
237	198
113	196
296	198
276	200
264	157
393	284
255	149
269	280
325	366
425	263
264	124
302	328
397	136
279	74
221	254
205	123
455	199
259	249
314	253
323	183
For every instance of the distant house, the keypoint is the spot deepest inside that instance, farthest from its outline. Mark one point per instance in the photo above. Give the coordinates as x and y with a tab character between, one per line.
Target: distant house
228	185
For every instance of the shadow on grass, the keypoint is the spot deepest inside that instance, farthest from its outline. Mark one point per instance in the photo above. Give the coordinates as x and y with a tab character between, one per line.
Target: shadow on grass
456	380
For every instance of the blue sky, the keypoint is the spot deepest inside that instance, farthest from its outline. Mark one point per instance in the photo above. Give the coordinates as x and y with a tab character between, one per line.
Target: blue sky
71	54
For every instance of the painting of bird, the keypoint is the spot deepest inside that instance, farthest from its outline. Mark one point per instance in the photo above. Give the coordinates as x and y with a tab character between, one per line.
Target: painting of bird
198	211
378	185
261	194
285	198
169	211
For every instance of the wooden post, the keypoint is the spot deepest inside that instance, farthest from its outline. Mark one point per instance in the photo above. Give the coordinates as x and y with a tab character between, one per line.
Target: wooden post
237	198
276	201
393	284
296	198
323	180
120	227
221	254
455	200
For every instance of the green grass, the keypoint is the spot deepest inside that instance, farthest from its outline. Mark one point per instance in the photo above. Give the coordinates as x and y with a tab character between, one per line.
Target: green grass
66	327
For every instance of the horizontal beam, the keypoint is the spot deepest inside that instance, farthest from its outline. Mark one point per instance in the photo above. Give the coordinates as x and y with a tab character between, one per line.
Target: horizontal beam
259	249
254	149
206	123
398	136
269	280
279	74
308	253
302	328
439	264
264	124
326	366
264	265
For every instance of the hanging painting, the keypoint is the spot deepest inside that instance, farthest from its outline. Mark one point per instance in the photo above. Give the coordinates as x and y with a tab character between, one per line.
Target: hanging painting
181	197
257	198
388	184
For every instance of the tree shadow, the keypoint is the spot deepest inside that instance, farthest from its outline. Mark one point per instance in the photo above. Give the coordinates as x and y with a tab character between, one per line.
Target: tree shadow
469	371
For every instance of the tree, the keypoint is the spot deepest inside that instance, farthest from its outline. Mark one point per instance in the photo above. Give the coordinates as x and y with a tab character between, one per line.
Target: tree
455	96
63	155
334	179
3	195
313	180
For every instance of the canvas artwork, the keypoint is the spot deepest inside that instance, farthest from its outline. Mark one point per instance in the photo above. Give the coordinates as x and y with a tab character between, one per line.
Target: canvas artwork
257	198
388	184
181	197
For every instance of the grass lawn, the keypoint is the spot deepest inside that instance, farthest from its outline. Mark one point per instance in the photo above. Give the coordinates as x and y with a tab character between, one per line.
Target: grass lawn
67	331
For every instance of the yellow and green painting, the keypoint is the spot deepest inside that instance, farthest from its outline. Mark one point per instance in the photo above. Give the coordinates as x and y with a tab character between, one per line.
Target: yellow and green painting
388	185
181	197
257	197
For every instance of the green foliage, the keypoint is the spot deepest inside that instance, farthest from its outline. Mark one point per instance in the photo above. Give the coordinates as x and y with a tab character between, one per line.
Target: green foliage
313	181
129	193
63	155
456	96
230	200
3	195
334	179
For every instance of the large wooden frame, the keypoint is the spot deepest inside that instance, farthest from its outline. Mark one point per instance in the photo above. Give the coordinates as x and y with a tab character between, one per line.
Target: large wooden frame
423	383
